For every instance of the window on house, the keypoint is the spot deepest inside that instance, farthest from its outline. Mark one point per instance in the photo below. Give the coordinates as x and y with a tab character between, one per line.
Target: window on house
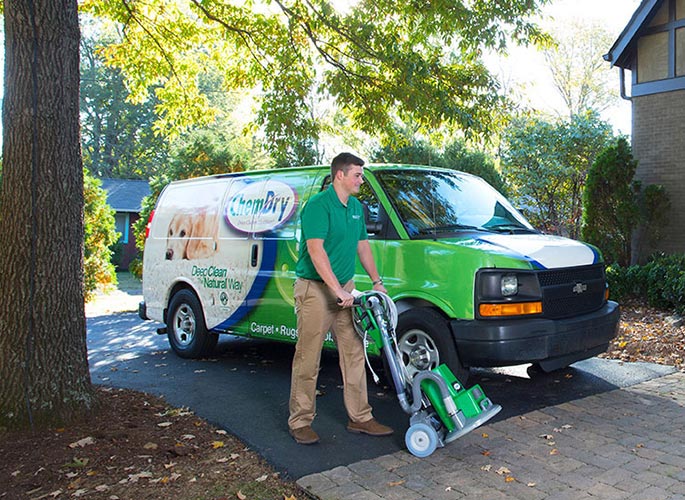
680	9
680	52
121	223
652	57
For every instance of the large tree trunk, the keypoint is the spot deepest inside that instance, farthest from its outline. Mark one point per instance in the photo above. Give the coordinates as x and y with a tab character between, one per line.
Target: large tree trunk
44	377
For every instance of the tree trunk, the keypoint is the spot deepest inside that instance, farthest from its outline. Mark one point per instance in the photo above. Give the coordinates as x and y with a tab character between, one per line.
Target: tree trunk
44	377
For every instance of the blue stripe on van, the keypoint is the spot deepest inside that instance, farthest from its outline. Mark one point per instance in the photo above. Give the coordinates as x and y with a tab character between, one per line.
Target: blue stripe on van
263	276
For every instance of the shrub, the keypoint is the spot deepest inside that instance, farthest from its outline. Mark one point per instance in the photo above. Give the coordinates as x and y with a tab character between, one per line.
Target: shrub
661	281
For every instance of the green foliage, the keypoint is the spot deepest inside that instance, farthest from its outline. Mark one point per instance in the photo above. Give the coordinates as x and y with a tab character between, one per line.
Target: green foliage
377	61
455	155
100	235
611	211
546	164
661	281
411	152
117	136
654	209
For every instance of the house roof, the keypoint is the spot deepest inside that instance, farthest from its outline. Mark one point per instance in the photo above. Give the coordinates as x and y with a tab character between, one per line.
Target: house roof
621	52
125	195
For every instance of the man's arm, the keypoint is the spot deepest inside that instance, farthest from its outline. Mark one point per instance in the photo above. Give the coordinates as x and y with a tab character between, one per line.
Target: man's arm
369	265
323	266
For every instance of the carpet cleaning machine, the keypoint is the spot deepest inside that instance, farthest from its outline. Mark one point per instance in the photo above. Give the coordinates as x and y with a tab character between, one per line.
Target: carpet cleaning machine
440	408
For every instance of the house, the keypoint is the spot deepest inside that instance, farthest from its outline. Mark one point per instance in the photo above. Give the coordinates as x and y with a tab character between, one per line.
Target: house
652	49
125	197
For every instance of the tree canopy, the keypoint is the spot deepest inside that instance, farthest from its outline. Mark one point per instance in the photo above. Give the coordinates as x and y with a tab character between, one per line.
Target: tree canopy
379	61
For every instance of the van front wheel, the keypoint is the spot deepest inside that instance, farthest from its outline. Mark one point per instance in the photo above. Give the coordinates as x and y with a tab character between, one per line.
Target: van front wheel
424	340
188	335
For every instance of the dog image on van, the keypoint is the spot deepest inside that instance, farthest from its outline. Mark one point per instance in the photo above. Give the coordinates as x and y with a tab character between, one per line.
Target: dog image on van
192	235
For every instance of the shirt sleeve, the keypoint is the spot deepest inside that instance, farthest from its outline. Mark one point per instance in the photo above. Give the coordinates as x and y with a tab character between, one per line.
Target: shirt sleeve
363	235
315	220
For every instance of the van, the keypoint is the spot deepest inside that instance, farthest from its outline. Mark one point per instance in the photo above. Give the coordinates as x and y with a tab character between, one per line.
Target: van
475	284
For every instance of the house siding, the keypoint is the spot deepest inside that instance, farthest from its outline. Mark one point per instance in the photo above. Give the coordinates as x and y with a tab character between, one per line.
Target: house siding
658	136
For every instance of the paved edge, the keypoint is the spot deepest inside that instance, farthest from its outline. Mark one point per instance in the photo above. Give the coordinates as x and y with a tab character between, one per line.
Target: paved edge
625	443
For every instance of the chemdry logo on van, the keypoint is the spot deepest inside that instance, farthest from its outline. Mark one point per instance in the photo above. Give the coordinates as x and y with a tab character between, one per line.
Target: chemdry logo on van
261	206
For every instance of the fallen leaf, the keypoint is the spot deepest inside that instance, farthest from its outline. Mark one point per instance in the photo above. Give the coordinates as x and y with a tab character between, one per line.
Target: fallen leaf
546	436
102	487
240	495
150	446
485	453
486	468
396	483
79	493
261	479
291	497
187	436
78	463
531	484
221	431
553	451
82	442
217	444
509	479
485	435
164	424
503	470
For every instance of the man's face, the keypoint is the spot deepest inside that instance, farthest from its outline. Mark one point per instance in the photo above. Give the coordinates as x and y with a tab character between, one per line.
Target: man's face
352	180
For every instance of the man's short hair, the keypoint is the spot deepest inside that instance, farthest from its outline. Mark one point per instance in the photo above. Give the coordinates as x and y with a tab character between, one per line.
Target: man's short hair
344	161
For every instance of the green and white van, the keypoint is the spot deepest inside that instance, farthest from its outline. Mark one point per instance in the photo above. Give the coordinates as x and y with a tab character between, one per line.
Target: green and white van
475	284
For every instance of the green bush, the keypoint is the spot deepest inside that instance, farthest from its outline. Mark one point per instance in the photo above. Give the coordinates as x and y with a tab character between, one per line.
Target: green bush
100	235
661	281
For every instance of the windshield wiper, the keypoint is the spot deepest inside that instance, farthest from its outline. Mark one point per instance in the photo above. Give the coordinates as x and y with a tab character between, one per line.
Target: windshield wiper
450	227
511	228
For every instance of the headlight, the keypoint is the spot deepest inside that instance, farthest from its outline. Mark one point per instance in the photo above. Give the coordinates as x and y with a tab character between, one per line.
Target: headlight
509	285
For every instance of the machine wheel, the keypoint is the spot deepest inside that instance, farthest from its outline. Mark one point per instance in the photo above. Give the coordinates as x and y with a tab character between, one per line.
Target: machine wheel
425	342
421	440
188	335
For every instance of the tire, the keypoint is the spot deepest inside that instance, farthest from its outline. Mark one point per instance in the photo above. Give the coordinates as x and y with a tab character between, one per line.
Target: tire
424	339
421	440
186	330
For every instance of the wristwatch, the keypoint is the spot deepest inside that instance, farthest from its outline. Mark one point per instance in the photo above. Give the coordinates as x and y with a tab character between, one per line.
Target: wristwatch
379	281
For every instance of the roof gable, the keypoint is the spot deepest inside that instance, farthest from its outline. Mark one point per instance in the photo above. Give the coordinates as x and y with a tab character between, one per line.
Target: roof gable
125	195
621	52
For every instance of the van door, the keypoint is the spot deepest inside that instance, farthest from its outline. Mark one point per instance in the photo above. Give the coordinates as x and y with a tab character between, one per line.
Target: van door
275	241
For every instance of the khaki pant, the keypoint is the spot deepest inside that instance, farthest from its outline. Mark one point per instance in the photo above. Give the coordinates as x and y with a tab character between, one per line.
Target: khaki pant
317	313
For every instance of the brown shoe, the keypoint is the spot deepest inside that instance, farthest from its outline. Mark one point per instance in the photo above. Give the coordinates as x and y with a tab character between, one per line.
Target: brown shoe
370	427
304	435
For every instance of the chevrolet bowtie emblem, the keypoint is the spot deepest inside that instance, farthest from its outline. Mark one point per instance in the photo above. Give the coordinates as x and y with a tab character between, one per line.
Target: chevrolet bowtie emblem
579	288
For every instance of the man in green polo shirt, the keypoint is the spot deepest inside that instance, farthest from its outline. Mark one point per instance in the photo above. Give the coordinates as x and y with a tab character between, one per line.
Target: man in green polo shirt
333	235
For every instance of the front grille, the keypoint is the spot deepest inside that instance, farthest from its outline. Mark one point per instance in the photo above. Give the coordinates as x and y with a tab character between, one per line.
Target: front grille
572	291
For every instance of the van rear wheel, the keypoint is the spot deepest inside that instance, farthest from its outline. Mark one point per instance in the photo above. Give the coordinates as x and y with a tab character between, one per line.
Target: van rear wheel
424	340
186	330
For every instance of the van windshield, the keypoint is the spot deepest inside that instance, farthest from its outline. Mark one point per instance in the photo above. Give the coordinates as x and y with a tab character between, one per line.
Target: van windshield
434	203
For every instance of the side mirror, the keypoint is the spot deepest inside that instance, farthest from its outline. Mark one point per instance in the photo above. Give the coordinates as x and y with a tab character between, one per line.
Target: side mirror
374	227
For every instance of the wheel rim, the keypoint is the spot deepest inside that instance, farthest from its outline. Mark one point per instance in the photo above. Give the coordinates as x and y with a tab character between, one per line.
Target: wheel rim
419	352
421	440
184	325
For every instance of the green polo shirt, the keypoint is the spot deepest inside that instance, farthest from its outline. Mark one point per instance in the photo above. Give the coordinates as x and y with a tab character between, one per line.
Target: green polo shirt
341	227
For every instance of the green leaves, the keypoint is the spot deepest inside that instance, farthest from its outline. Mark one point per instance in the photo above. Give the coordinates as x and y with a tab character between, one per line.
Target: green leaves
381	62
546	164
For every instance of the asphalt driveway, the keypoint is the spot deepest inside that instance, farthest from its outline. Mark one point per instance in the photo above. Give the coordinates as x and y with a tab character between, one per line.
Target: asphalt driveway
244	389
